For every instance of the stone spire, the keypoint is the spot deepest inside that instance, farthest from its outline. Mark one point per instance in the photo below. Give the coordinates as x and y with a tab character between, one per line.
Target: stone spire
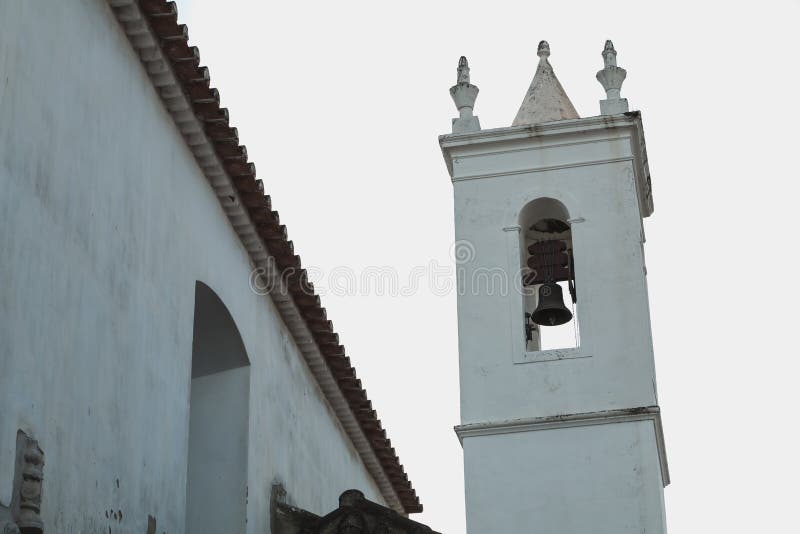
546	100
464	95
611	78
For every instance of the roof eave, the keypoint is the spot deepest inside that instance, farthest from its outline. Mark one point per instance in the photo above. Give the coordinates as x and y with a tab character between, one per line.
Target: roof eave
152	29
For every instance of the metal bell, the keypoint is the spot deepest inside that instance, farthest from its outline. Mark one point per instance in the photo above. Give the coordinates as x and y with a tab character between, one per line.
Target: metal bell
551	310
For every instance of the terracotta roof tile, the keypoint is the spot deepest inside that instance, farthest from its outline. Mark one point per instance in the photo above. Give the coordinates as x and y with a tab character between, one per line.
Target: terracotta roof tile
162	18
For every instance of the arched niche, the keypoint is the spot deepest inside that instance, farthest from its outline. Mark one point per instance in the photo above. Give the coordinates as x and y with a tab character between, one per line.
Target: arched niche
546	256
219	408
216	343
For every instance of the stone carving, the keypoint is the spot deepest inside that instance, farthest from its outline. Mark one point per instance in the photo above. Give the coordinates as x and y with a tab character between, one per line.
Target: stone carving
26	501
355	515
462	71
352	523
464	95
543	50
611	78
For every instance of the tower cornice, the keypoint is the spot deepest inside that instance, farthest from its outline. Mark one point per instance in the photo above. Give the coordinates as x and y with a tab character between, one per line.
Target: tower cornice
455	147
604	417
560	127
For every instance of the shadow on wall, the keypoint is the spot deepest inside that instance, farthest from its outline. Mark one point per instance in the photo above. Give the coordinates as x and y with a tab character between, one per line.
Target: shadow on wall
219	407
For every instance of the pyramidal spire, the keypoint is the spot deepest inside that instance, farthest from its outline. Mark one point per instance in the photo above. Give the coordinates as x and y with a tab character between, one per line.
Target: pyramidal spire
545	100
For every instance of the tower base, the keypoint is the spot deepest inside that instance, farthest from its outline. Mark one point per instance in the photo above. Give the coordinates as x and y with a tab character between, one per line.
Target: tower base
602	473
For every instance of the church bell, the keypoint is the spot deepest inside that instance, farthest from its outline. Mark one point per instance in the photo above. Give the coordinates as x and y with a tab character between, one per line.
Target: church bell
551	310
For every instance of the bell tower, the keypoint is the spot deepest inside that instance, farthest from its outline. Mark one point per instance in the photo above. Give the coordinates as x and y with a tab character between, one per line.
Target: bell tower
560	423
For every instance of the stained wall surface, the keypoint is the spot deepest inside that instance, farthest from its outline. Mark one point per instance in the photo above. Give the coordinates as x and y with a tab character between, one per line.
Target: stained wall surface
603	479
527	469
107	224
592	175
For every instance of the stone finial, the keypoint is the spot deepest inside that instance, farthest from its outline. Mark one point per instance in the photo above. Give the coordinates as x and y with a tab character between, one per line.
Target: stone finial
544	49
546	99
463	71
464	95
609	54
611	78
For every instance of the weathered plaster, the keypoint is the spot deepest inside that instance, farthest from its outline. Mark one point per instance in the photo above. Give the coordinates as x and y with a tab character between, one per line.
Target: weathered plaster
545	99
566	440
107	224
603	479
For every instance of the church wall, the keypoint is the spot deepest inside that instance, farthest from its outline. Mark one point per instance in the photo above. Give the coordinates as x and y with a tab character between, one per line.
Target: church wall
107	225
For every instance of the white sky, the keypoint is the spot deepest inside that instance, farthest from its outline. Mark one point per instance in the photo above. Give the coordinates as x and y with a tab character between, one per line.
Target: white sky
340	105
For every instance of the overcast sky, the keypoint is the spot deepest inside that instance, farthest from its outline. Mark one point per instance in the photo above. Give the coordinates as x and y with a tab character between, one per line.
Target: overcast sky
340	105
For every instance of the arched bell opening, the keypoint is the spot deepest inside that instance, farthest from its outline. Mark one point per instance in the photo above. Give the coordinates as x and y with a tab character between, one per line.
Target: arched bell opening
548	276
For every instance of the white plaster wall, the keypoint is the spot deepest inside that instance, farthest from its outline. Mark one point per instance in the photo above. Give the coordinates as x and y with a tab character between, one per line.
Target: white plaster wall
106	224
592	175
603	479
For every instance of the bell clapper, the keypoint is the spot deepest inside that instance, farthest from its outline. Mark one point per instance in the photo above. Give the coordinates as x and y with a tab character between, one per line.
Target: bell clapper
530	327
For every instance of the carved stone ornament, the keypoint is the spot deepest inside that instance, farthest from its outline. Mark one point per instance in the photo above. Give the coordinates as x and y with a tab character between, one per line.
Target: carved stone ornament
355	515
611	78
26	501
352	523
464	95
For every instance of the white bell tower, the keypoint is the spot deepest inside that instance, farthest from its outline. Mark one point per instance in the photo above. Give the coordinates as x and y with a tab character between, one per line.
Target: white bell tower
560	425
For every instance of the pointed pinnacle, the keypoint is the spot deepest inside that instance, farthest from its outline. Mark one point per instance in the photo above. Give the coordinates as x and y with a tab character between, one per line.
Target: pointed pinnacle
544	49
609	54
611	78
545	99
464	95
463	71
